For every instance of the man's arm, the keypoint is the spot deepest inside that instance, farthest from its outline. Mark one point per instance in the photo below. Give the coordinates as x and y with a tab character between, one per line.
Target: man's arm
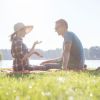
52	61
55	60
66	54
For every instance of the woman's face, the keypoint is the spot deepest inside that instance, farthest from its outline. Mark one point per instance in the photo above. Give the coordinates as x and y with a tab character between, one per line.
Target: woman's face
22	33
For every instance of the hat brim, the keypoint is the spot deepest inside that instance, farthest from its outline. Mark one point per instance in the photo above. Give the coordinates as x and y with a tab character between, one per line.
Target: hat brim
27	29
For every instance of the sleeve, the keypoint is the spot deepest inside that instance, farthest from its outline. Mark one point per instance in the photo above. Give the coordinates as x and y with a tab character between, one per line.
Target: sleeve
67	38
18	48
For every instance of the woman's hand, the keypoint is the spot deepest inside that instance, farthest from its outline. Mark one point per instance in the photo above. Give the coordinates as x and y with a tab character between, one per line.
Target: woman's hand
37	42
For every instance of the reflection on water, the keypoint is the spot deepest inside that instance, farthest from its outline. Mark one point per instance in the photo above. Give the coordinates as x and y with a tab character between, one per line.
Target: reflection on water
8	63
92	63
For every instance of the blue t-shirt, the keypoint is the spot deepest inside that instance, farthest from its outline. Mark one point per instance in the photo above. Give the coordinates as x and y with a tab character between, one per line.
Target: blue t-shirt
76	53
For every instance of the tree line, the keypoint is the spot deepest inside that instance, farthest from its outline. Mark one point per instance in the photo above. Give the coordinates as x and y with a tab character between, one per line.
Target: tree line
93	53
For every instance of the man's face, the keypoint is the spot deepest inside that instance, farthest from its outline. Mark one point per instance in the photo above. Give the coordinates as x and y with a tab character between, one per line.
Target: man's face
59	28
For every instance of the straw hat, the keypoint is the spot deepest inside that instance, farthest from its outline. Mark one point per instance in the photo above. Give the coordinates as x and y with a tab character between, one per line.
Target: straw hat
20	26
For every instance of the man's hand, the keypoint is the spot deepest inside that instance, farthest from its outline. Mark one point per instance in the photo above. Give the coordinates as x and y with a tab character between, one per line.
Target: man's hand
65	68
56	60
43	63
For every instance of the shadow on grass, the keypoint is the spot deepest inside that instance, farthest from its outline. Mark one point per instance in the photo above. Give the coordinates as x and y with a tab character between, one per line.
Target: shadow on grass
29	76
93	72
40	75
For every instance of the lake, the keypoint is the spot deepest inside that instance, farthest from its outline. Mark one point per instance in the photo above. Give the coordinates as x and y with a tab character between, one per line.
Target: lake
89	63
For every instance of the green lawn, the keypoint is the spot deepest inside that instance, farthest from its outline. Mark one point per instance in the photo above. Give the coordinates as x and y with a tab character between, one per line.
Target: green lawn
51	86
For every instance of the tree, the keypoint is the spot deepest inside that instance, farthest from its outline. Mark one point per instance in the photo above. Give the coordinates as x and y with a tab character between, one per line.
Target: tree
94	52
0	56
86	53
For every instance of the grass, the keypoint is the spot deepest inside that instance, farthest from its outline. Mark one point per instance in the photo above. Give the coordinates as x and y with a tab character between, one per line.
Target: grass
51	86
1	56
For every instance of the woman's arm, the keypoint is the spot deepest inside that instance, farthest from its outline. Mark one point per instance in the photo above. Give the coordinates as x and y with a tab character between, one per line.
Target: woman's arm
33	47
32	51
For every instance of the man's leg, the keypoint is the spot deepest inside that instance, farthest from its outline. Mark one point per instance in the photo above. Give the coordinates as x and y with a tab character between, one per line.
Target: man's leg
53	66
35	67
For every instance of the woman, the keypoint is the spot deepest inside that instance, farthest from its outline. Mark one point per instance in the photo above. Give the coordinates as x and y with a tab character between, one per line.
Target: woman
19	50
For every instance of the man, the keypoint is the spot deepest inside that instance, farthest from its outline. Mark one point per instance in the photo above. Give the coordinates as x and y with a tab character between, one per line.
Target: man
73	56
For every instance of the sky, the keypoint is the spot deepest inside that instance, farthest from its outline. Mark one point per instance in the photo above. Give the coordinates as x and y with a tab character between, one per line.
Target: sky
83	17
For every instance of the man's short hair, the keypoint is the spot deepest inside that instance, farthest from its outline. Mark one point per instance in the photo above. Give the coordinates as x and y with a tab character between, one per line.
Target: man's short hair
62	21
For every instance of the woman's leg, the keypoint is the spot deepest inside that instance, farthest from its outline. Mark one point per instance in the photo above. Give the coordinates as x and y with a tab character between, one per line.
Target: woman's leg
45	67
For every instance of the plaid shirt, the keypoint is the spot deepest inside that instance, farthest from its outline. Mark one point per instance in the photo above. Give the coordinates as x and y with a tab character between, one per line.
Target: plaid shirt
18	50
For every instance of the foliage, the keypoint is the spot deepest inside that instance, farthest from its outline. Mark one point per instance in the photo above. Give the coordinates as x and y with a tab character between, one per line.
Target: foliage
51	86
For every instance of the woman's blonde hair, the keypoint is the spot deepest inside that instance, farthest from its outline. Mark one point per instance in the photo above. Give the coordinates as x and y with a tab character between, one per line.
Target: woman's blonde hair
12	36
